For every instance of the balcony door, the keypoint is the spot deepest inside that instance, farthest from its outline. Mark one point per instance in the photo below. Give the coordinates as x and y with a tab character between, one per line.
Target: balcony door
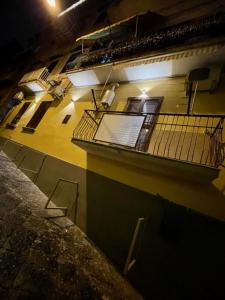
147	106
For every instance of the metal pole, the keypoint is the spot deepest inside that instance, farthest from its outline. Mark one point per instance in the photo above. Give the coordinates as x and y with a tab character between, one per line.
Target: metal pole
136	28
106	83
130	262
82	45
193	100
91	117
189	99
94	99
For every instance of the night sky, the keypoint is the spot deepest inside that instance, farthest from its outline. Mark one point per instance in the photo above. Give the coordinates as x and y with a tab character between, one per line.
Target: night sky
21	19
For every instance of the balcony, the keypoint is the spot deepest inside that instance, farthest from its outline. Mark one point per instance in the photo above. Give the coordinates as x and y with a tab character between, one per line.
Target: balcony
180	35
195	141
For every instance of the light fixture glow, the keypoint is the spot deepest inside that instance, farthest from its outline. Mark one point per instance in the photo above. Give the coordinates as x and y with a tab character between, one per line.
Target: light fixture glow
34	87
143	94
71	7
52	3
149	71
84	78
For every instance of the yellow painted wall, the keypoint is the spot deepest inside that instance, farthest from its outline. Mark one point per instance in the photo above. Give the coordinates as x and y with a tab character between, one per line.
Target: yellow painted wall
54	138
214	103
51	136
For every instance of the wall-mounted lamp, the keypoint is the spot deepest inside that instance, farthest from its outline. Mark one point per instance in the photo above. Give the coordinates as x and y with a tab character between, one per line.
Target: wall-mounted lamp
143	94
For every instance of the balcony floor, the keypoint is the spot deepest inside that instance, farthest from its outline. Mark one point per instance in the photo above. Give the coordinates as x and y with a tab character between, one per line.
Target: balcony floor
185	146
162	165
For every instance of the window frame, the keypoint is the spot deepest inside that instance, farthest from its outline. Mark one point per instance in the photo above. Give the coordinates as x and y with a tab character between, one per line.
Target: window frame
37	116
149	124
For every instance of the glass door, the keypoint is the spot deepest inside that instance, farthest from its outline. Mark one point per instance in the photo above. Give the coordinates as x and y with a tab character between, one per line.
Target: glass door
146	106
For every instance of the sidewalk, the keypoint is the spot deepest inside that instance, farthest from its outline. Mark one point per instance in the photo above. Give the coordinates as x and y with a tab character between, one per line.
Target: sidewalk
42	260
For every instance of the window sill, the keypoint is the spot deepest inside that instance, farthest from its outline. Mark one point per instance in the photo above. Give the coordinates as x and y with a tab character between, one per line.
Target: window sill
10	126
28	130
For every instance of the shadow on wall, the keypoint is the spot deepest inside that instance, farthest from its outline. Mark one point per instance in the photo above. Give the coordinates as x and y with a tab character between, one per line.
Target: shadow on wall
212	103
177	249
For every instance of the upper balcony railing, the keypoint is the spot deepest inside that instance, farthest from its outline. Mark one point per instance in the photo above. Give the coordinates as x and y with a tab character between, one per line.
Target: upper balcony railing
179	36
205	27
195	139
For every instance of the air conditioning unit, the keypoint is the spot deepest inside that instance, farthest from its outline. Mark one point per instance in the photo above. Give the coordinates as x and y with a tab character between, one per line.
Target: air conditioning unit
56	90
206	78
19	96
35	81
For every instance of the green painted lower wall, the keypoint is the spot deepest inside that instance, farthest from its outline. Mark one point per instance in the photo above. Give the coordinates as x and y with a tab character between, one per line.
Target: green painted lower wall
181	253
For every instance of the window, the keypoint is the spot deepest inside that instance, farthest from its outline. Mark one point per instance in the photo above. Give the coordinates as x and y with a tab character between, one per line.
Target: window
39	114
146	105
66	119
52	65
70	63
20	113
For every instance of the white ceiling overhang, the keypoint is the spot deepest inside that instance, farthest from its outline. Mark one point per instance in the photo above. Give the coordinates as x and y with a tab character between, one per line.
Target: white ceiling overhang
150	67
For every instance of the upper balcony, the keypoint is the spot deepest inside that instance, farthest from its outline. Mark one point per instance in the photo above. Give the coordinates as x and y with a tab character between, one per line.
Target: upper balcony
158	141
177	38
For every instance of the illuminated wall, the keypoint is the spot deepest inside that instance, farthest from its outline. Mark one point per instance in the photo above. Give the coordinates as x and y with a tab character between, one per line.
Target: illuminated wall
54	138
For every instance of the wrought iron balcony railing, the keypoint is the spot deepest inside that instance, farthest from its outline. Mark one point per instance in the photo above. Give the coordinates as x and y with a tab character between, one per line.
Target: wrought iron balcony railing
209	26
190	138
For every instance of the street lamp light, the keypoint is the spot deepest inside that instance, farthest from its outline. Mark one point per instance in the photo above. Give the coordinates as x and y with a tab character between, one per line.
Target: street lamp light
73	6
52	3
55	5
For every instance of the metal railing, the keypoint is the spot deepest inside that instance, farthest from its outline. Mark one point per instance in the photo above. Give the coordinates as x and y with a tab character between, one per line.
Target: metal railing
191	138
63	208
168	37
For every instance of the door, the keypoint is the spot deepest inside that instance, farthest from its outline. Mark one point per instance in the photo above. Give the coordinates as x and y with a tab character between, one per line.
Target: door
147	106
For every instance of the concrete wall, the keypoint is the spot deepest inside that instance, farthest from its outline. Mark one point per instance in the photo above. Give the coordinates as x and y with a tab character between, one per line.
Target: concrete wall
45	171
179	253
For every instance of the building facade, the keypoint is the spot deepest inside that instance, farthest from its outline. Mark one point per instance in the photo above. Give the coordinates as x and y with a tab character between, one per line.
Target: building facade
141	134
